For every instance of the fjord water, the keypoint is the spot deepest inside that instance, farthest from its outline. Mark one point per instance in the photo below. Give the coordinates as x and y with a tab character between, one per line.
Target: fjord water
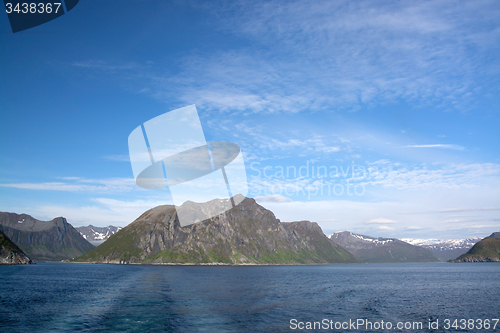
63	297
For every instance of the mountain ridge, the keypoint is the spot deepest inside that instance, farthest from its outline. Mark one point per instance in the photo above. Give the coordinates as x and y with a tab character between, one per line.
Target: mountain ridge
245	234
444	250
380	250
53	240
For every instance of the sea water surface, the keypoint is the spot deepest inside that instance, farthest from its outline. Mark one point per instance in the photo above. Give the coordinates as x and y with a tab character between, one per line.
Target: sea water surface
65	297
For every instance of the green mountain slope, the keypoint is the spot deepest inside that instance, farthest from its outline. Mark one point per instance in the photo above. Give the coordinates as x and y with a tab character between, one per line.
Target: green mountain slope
487	250
246	234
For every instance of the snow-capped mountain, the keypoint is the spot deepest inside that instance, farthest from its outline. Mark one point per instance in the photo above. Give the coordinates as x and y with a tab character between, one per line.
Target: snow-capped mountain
444	249
377	250
97	235
376	241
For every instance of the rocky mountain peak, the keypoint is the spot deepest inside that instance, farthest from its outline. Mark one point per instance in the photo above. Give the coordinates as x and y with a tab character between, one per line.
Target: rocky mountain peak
306	225
247	233
26	222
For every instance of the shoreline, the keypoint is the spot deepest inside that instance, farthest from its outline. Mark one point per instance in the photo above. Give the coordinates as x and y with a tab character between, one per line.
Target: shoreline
247	265
204	264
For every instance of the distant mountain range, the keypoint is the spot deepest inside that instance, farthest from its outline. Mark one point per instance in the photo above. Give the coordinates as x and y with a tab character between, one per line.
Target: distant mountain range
381	250
246	234
487	250
97	235
10	253
444	250
44	240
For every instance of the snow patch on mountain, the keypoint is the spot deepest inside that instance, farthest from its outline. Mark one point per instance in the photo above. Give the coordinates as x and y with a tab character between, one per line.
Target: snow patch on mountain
97	235
439	244
372	239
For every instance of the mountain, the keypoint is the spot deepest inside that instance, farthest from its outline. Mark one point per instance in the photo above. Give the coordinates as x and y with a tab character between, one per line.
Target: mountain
486	250
444	250
378	250
97	235
246	234
10	253
44	241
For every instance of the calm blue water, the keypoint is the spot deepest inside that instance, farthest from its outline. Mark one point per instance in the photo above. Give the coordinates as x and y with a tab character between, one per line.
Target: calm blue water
57	297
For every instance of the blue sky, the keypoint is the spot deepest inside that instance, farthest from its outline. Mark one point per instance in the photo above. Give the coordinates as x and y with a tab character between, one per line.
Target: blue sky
406	93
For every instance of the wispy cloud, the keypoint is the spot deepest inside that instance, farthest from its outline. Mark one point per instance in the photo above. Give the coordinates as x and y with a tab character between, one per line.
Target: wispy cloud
453	210
109	66
78	184
447	176
380	220
258	139
118	158
458	221
362	53
414	227
456	210
316	145
318	56
101	212
486	226
384	227
273	198
338	214
382	174
444	146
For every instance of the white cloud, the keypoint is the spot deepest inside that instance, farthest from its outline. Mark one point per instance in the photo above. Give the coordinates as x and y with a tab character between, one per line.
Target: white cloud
384	227
78	184
446	176
450	210
118	158
332	214
272	198
107	66
373	177
444	146
330	54
319	56
380	220
486	226
105	212
288	141
457	221
381	162
430	222
414	227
